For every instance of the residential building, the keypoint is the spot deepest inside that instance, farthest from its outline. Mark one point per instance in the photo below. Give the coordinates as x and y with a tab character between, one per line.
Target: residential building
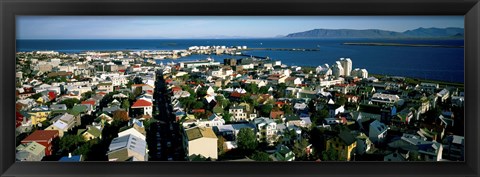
128	148
32	151
377	132
201	141
344	143
266	130
43	137
144	106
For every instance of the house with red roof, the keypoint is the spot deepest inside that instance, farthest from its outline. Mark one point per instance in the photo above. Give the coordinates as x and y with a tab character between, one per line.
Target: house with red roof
276	114
144	106
91	102
52	95
176	89
43	137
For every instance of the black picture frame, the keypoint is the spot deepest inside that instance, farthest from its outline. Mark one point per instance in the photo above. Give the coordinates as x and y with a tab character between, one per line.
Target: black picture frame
11	8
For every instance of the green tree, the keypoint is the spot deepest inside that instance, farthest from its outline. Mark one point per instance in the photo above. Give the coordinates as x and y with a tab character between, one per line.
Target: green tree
260	156
252	88
85	148
87	95
263	90
126	104
330	155
70	142
341	101
265	110
70	102
198	105
220	142
129	84
299	149
246	140
287	109
137	92
227	116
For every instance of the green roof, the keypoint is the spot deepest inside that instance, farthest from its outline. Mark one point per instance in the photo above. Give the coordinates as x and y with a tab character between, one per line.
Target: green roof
346	137
80	131
292	117
217	109
94	131
77	109
101	84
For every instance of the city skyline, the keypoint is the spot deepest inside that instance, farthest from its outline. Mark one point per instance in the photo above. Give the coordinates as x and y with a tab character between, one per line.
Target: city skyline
184	27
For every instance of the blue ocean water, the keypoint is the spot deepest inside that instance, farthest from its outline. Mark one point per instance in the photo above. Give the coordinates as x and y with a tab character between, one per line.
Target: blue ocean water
446	64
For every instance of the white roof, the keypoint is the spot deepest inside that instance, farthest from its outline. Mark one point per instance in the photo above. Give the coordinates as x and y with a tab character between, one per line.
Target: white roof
60	125
67	117
132	142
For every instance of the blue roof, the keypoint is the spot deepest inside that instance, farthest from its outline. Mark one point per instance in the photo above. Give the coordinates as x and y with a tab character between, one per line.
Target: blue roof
76	158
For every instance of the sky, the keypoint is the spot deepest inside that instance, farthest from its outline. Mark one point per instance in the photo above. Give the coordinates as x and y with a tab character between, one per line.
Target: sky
160	27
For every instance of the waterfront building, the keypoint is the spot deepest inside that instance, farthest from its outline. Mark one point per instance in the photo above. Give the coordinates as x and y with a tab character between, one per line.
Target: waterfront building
346	65
338	70
361	73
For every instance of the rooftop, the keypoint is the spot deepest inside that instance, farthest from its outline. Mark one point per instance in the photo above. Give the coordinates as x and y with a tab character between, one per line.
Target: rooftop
197	132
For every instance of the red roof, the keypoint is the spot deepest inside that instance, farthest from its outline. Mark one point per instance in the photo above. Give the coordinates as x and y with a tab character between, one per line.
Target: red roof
236	94
19	120
279	103
19	116
175	89
52	95
41	136
90	102
276	114
141	103
121	70
198	110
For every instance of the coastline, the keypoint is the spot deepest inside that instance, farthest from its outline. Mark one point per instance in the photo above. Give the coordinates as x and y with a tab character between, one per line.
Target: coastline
399	45
419	80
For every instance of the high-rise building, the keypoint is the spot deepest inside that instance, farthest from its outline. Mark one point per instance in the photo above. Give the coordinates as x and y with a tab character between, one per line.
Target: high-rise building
347	66
361	73
337	70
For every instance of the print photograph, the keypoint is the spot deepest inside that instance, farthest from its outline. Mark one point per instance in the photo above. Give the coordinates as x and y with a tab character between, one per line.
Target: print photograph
240	88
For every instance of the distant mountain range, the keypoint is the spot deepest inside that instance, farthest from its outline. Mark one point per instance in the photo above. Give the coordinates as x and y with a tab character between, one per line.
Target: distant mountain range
450	32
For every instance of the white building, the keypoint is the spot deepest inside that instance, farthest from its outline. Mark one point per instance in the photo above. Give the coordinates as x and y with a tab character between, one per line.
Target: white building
338	70
238	113
346	65
266	129
443	95
385	98
201	141
128	148
360	73
377	131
